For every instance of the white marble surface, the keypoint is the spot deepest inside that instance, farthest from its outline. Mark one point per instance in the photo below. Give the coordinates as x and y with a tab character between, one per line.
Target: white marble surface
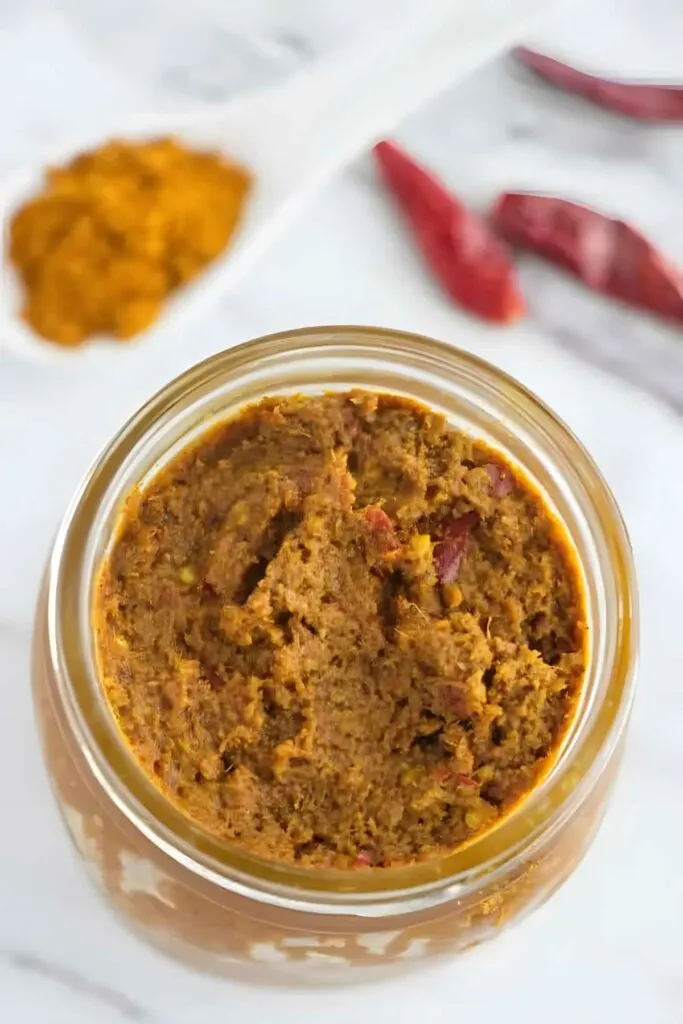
608	947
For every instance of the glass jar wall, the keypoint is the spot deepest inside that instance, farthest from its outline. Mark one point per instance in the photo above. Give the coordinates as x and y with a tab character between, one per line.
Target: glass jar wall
219	908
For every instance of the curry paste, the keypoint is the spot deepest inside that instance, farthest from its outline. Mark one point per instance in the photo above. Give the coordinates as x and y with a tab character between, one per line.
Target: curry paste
341	633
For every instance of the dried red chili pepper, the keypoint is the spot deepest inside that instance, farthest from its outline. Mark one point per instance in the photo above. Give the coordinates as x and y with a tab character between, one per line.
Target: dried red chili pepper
382	526
609	255
501	480
446	774
363	860
472	265
378	519
647	102
449	552
466	780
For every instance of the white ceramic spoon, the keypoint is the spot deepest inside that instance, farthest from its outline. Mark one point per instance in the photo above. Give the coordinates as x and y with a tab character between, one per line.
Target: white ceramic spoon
292	137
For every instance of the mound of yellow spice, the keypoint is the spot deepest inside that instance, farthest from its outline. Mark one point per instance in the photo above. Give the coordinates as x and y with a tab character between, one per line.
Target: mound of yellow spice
118	229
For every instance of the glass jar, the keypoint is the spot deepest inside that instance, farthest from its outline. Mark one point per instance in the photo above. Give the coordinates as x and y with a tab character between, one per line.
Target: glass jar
222	909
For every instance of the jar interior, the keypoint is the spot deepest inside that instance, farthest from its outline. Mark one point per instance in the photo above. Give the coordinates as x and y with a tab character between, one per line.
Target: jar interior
474	397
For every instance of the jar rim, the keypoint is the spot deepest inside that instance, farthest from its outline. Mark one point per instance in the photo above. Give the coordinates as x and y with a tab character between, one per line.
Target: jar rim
243	370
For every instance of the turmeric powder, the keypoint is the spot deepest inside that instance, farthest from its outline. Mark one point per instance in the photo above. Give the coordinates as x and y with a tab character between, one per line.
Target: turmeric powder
118	229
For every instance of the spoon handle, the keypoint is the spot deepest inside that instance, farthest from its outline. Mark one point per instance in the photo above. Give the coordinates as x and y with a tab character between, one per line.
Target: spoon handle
333	111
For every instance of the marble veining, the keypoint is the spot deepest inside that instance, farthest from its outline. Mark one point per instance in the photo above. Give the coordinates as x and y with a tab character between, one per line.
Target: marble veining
77	984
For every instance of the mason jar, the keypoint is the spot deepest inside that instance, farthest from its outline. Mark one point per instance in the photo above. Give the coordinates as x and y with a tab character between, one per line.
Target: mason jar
220	908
